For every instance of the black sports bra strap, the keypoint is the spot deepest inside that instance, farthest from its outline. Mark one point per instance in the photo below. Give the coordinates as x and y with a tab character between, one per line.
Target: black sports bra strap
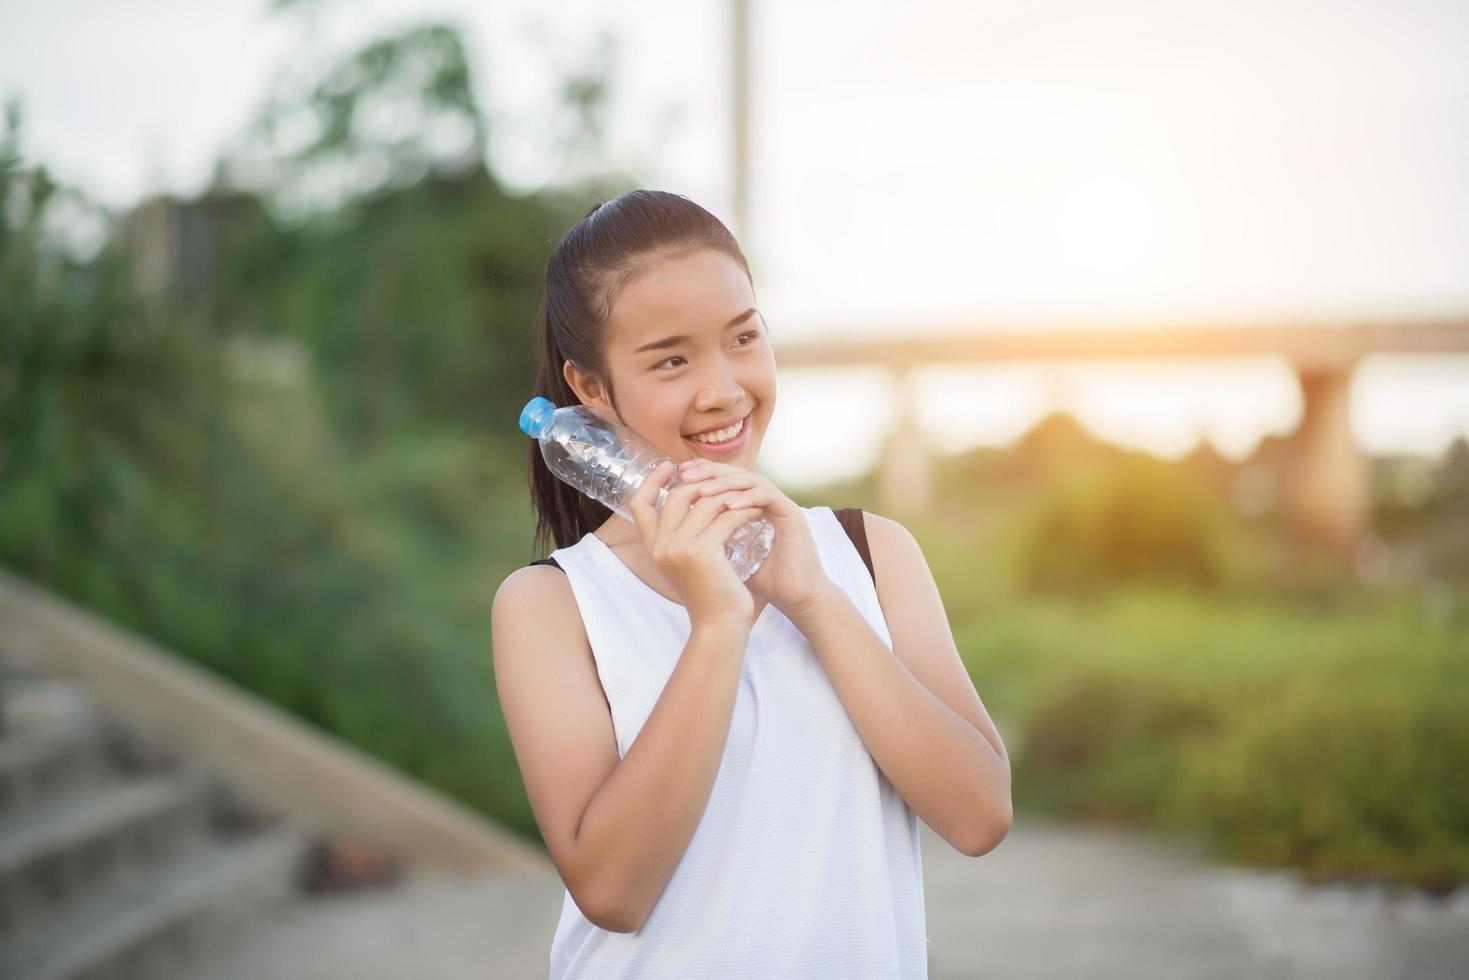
856	528
547	561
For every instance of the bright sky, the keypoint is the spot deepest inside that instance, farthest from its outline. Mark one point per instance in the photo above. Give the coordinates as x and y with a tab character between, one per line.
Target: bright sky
933	162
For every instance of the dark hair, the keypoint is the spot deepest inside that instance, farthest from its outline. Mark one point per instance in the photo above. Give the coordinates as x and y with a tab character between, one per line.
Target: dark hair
588	268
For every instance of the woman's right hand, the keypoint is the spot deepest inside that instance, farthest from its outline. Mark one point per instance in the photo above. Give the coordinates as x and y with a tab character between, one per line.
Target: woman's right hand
686	541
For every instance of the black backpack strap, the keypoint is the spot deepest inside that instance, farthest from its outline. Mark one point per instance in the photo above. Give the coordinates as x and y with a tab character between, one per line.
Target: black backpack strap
852	523
547	561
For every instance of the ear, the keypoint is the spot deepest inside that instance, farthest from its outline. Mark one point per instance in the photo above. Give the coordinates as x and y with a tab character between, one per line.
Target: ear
588	388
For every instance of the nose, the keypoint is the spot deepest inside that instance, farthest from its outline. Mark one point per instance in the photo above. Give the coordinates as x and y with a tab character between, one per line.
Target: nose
721	390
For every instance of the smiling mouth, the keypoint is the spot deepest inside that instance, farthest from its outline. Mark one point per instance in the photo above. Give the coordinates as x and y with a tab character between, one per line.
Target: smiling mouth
744	423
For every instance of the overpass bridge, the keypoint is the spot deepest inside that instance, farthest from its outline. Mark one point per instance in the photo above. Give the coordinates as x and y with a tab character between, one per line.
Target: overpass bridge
1325	483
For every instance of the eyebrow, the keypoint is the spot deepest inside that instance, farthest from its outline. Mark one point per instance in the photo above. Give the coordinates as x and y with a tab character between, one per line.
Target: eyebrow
681	338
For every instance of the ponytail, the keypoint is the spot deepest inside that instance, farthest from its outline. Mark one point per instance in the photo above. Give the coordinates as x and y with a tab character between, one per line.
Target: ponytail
563	512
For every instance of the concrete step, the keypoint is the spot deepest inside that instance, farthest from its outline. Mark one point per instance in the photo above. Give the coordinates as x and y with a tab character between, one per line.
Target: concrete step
116	860
79	841
37	767
59	741
12	669
32	704
143	926
54	742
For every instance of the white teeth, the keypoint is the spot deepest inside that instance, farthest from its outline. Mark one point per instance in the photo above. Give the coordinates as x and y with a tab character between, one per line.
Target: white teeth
723	435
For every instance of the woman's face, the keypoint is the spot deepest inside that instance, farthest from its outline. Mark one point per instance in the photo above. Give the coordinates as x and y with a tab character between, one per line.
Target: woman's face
688	352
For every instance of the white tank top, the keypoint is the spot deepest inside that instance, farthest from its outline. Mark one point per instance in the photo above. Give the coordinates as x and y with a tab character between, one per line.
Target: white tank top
806	862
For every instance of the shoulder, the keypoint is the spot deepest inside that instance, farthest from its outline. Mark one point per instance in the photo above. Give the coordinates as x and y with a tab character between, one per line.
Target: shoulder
539	594
533	582
888	534
896	555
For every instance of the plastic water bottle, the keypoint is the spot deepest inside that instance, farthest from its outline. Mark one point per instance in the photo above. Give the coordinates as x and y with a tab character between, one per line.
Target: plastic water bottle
608	462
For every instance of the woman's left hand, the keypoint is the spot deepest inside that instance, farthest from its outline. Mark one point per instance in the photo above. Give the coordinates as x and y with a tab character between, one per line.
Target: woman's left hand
791	576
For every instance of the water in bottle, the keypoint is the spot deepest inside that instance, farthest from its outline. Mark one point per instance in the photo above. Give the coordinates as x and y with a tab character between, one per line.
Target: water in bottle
608	462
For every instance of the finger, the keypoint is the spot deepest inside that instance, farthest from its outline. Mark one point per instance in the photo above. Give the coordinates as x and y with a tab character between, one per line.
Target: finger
729	481
756	496
648	489
727	523
707	467
676	508
640	504
701	514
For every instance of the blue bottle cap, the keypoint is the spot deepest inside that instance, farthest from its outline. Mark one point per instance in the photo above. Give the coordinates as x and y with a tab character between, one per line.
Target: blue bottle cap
536	416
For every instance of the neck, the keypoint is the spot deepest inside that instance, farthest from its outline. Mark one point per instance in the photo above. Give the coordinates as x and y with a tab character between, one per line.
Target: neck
616	530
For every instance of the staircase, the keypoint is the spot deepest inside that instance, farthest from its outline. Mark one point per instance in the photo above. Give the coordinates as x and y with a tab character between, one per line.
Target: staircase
116	860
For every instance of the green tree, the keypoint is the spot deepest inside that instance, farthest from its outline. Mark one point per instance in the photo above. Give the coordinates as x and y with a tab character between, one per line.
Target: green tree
90	389
410	273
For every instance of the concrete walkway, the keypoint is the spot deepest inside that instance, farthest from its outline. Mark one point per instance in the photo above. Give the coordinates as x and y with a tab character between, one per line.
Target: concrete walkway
1057	901
1054	901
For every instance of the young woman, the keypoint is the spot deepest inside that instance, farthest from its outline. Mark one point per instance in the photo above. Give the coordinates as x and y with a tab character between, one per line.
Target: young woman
728	775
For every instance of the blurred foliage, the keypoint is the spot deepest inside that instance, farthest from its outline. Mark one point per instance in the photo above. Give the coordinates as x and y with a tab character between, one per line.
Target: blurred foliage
1275	735
1139	520
383	117
420	311
413	288
1083	517
89	388
1421	513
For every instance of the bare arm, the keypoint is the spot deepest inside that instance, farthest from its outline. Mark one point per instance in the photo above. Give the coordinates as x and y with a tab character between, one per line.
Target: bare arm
616	828
914	705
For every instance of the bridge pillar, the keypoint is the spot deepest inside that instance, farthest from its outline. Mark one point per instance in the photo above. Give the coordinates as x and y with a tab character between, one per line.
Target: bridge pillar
903	477
1327	494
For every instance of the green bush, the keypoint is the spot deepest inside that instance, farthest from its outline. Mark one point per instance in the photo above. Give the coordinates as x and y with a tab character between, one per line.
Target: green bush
1138	520
1102	744
1334	742
1339	775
